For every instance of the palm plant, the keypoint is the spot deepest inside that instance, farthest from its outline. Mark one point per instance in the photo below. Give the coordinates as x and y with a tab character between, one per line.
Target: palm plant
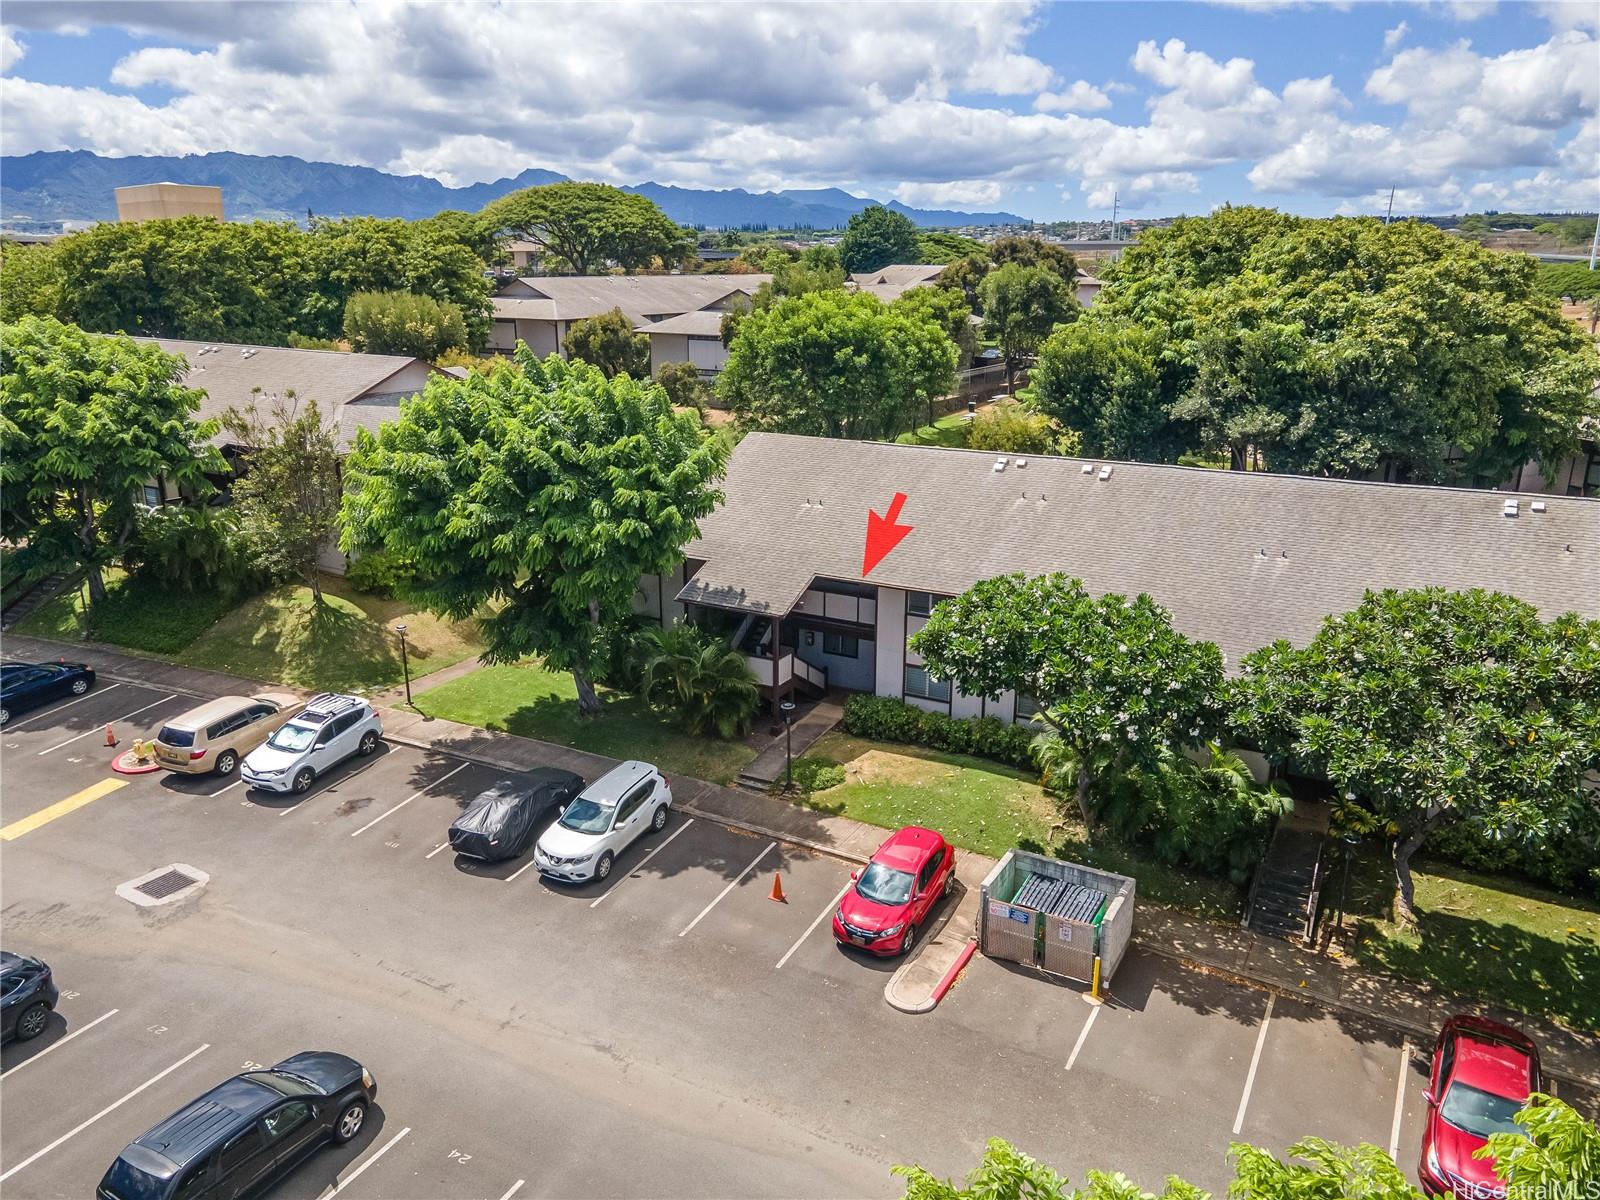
701	678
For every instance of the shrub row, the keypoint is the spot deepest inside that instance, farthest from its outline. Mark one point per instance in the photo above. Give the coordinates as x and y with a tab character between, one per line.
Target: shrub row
885	719
1567	860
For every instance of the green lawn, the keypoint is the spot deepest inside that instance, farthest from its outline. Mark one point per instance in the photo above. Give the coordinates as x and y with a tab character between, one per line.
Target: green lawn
1487	937
985	807
532	701
946	431
279	636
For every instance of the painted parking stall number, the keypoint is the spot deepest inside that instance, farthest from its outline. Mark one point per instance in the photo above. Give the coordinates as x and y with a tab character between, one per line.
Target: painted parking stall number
459	1157
157	1029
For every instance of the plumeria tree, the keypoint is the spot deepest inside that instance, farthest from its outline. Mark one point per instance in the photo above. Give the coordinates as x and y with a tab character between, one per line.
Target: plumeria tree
1111	676
1431	707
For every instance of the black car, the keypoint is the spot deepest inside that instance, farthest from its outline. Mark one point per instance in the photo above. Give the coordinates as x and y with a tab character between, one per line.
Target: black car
245	1134
28	685
499	823
27	996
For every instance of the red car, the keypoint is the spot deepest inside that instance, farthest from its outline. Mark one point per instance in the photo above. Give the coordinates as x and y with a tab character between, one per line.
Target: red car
1482	1074
892	897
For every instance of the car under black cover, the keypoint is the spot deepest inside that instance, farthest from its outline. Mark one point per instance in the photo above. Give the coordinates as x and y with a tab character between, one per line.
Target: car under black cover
499	823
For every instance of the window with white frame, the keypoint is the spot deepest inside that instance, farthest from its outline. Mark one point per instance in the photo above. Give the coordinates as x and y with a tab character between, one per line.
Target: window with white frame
923	686
919	604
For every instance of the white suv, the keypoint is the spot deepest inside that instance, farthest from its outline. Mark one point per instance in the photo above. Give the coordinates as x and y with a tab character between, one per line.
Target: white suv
330	730
603	821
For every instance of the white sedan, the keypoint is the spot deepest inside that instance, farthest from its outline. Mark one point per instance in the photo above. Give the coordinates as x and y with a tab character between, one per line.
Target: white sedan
602	822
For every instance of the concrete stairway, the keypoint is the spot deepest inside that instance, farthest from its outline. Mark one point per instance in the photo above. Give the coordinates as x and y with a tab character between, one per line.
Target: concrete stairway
1288	882
767	767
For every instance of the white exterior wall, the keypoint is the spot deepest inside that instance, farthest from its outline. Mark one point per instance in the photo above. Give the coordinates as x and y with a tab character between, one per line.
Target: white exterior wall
667	348
411	378
656	593
709	354
503	336
890	641
963	705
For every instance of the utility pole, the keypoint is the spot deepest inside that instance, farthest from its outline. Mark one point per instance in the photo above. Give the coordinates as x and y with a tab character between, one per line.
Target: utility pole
1114	198
1594	246
1390	213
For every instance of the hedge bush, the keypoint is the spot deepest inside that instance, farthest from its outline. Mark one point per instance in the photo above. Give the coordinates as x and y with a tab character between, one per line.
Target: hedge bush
885	719
378	573
1568	860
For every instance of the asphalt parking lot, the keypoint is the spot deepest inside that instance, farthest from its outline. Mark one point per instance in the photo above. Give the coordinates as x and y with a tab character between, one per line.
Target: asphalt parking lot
672	1032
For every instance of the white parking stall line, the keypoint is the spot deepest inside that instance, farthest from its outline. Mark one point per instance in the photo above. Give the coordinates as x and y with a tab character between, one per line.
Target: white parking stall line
753	865
112	1107
1255	1061
53	711
331	1192
1083	1036
436	850
527	866
514	1189
642	861
228	788
340	783
811	928
1399	1097
61	1043
409	799
113	721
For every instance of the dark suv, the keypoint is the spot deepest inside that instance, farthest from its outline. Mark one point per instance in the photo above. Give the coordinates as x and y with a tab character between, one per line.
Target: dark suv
245	1134
27	996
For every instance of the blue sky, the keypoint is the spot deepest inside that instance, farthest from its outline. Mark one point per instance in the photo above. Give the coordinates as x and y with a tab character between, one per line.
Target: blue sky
1045	110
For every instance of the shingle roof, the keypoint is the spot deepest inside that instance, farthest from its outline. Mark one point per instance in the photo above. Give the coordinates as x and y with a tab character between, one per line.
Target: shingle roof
702	322
524	308
231	379
640	297
1238	558
895	280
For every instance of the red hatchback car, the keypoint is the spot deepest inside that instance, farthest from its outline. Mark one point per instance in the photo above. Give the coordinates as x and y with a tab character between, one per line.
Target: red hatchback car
891	898
1482	1074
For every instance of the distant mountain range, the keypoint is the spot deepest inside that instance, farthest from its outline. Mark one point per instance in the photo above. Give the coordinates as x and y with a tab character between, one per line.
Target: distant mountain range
77	185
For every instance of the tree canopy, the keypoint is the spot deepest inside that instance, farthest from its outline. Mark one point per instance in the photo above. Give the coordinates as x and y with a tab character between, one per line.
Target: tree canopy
1342	346
1111	676
609	342
403	323
836	364
1105	382
1035	252
940	246
86	422
541	495
1021	305
1431	707
591	225
875	237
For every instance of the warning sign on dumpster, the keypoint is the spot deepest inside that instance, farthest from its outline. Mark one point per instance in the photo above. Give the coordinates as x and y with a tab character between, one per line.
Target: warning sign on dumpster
1064	932
1020	915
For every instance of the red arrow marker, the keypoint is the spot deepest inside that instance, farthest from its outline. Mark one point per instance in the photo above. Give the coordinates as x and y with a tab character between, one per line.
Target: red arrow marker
884	533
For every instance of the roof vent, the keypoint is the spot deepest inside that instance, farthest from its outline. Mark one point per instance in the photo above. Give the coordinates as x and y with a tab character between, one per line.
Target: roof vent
1537	506
1510	509
1088	468
1020	463
1105	474
999	465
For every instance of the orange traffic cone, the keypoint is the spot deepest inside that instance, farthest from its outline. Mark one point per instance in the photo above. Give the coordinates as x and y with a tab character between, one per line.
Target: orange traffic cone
777	889
111	738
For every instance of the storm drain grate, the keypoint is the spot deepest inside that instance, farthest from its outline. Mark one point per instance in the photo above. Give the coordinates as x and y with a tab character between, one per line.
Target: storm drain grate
167	884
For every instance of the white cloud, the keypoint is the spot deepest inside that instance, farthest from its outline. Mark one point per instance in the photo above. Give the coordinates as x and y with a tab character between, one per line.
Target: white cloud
965	193
1571	14
1082	96
1140	191
11	50
1393	37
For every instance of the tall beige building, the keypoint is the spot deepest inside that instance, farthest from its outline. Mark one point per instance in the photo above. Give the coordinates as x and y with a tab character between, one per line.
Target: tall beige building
148	201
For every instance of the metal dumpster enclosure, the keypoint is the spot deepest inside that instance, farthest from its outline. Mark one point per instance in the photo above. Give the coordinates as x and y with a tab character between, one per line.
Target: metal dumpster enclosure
1057	916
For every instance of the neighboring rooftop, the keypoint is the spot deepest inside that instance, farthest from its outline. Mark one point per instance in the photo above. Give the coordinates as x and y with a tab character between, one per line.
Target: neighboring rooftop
641	297
1239	558
236	376
701	322
891	282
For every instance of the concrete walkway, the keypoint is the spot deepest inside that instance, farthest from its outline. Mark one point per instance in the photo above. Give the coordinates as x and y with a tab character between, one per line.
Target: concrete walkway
1220	948
768	766
390	697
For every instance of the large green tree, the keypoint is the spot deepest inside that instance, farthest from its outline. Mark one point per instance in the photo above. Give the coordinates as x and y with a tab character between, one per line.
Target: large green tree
86	422
1006	1173
1021	305
1111	676
289	489
609	342
1432	707
540	495
940	246
1343	347
948	310
1325	1171
1105	381
1556	1149
836	364
1035	252
403	323
875	237
590	225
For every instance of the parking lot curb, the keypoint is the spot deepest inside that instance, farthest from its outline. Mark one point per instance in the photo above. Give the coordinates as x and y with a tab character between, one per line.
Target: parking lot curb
929	973
1424	1033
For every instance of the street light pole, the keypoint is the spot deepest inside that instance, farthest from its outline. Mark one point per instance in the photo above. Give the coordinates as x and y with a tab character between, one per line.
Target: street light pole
1351	841
787	707
405	662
